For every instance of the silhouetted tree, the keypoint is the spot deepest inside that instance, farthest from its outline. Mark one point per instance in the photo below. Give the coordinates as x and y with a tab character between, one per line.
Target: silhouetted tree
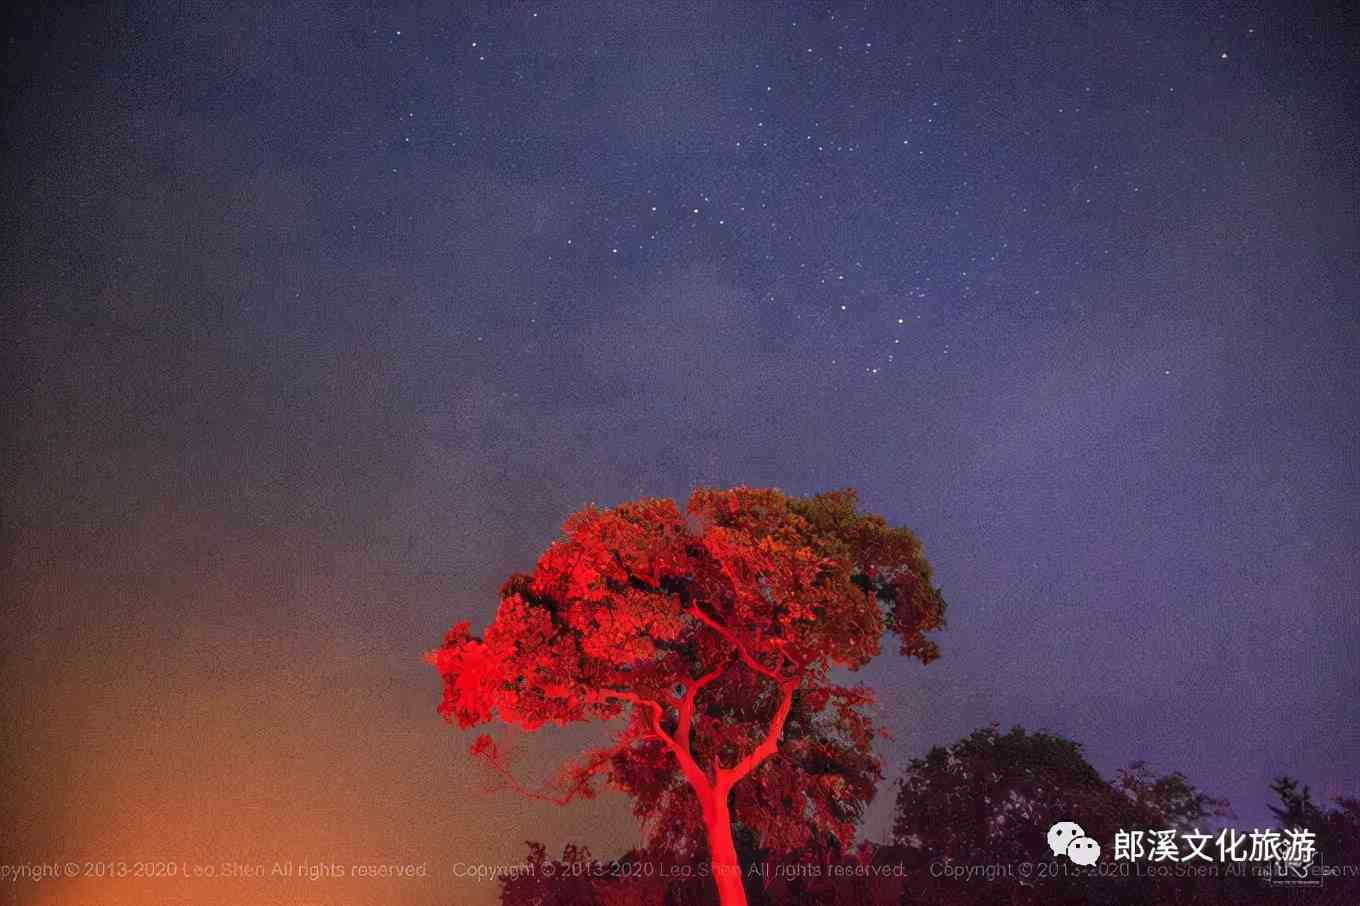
715	636
1169	800
990	799
1337	830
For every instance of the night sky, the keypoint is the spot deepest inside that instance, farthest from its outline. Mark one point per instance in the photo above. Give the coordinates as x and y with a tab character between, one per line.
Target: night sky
319	320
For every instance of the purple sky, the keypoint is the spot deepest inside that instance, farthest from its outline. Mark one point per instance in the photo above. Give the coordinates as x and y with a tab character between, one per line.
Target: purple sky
322	319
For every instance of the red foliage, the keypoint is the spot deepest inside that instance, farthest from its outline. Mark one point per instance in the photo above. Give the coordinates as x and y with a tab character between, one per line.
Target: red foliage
715	635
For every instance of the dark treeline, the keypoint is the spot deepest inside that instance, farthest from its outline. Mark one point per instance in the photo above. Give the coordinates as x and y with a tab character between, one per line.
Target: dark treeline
970	829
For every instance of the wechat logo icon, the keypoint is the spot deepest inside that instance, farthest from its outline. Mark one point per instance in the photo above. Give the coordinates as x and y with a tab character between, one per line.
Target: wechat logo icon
1066	838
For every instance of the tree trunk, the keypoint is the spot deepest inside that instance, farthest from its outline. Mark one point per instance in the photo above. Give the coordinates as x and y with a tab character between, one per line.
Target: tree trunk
722	851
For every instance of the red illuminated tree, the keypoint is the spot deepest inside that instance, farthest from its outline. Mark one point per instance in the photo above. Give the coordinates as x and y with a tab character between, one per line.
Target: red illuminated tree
714	635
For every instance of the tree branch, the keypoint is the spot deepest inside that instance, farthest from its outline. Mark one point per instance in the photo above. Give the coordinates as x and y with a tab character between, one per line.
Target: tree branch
693	773
726	777
746	656
685	710
580	777
510	780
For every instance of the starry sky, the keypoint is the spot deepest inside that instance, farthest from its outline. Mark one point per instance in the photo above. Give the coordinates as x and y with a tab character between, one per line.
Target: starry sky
319	319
